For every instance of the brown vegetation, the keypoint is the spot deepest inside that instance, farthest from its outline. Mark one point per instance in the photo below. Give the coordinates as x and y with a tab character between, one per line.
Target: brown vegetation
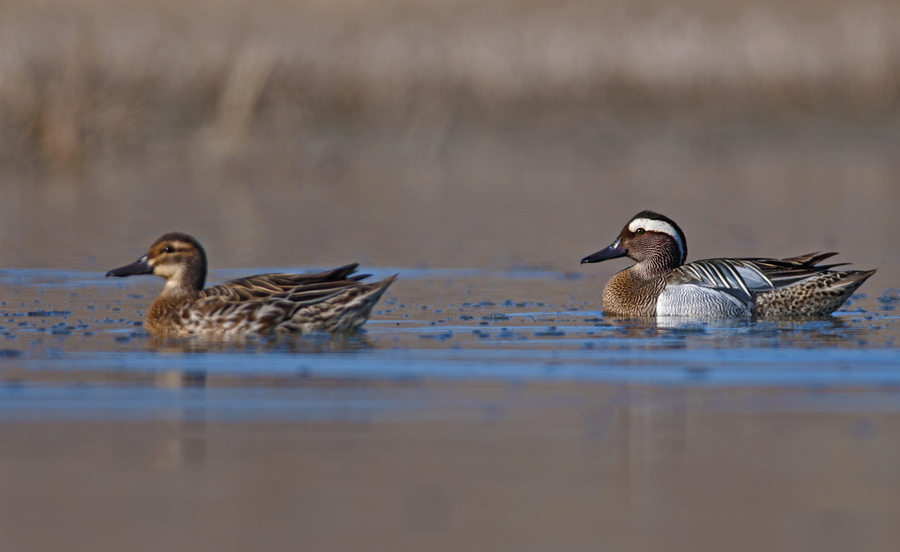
97	74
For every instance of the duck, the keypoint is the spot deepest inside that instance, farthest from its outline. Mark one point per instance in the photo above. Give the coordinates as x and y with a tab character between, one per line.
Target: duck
661	284
335	301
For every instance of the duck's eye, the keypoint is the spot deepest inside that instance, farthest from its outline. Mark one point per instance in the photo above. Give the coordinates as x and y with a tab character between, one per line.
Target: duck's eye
639	231
168	249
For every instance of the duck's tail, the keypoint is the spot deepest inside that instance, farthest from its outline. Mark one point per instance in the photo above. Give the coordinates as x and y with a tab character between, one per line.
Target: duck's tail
344	311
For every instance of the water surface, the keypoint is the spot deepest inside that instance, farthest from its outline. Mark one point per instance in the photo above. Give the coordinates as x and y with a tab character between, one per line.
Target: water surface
490	408
468	412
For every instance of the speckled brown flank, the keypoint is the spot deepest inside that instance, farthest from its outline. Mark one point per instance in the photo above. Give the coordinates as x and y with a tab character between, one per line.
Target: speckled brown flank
819	296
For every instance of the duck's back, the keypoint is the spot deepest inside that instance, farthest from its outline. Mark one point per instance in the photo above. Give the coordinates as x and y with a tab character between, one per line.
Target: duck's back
296	287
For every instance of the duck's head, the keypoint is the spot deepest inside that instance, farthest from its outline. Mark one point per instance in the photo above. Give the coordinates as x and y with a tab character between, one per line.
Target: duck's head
649	238
177	257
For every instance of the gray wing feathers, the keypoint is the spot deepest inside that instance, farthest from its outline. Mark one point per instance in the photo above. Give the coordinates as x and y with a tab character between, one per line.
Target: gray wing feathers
736	276
747	277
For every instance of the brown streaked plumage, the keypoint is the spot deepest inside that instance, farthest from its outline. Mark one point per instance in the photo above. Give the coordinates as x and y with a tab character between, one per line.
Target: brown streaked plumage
662	284
331	301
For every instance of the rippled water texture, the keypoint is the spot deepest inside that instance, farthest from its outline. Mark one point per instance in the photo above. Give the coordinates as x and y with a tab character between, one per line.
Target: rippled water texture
490	404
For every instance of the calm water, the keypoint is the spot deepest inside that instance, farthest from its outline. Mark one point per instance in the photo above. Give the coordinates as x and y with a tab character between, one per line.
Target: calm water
479	407
445	324
494	408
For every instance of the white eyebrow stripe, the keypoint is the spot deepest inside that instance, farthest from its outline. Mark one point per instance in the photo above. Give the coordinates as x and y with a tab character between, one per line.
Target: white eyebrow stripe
658	226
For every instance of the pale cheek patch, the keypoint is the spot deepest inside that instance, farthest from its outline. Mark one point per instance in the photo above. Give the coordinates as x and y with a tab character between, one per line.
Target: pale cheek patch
169	271
660	226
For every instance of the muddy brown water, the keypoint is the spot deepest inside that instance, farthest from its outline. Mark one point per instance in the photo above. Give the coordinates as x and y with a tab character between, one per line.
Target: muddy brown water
490	405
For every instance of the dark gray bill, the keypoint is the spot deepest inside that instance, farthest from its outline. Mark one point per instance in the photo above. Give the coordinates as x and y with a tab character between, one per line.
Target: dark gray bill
613	251
140	266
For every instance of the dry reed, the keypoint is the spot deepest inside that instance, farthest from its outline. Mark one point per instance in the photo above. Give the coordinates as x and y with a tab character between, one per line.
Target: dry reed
97	75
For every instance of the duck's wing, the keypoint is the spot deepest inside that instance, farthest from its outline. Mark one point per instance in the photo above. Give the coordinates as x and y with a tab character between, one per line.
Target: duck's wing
740	278
294	287
744	278
792	270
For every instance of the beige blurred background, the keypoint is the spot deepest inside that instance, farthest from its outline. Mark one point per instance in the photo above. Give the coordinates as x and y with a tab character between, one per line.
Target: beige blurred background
452	133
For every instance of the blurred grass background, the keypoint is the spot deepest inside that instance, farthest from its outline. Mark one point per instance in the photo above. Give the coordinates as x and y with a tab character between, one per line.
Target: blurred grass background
77	76
306	132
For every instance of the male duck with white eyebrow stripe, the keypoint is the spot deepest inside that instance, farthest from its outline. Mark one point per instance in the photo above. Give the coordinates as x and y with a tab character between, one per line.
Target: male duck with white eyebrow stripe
661	284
